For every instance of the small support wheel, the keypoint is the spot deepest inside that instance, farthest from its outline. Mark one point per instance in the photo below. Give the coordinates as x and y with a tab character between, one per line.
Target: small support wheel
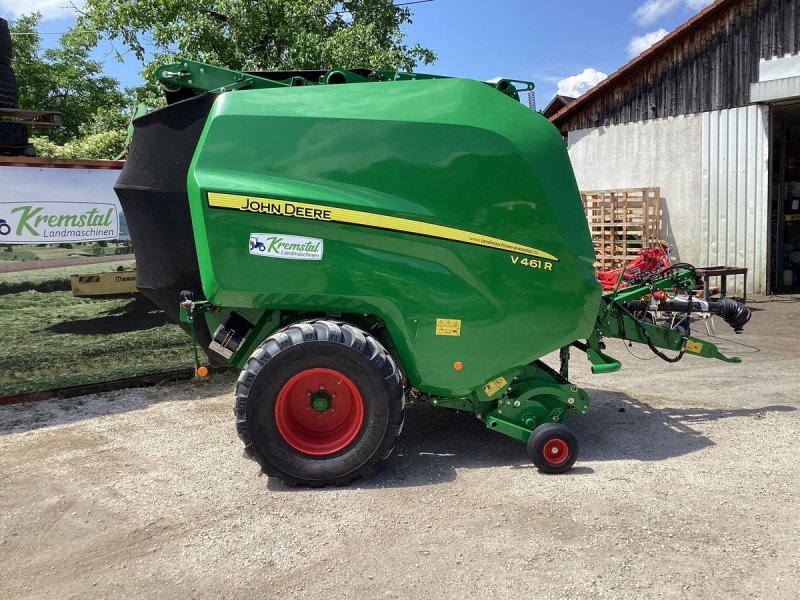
553	448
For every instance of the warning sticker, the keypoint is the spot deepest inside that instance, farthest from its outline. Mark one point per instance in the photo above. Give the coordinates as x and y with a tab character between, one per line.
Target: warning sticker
494	386
448	327
693	347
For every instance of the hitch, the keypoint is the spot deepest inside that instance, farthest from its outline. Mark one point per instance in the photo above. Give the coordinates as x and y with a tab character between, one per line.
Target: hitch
631	314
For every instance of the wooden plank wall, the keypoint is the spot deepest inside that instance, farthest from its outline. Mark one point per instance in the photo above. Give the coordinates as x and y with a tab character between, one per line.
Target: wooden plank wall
711	69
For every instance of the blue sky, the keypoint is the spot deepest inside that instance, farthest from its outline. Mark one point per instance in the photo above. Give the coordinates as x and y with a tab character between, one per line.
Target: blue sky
565	46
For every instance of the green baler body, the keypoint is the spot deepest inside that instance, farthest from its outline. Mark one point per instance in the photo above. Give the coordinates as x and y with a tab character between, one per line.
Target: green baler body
318	234
424	172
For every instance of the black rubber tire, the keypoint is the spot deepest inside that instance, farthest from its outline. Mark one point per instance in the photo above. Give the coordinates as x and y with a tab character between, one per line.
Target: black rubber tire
319	344
5	43
9	90
13	134
545	434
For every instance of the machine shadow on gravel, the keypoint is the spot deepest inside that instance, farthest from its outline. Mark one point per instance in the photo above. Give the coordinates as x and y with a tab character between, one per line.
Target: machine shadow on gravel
620	427
435	443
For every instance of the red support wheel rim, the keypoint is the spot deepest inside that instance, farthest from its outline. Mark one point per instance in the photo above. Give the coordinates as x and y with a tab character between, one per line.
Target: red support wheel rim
319	411
555	451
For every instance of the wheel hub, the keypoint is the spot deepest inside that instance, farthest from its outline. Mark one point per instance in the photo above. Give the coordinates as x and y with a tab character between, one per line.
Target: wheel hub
321	401
307	418
556	451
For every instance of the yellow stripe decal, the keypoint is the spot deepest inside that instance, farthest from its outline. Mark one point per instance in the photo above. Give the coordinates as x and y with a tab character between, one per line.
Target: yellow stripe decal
335	214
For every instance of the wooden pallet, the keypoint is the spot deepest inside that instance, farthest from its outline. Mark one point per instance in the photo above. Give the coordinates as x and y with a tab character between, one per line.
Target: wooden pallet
622	222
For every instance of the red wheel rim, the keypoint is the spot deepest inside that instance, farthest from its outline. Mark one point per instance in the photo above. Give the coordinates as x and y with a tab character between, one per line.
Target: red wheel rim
555	451
319	411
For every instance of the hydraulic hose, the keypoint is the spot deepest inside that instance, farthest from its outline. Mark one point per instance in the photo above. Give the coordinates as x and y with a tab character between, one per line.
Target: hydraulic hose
731	311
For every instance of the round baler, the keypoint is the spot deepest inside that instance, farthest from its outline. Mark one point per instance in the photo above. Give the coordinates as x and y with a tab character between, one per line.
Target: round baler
351	246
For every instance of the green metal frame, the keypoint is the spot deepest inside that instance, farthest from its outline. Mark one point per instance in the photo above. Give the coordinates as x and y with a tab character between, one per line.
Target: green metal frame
531	395
202	77
614	321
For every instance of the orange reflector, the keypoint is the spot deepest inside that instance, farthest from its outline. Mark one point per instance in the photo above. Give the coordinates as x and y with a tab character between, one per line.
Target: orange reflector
458	365
202	371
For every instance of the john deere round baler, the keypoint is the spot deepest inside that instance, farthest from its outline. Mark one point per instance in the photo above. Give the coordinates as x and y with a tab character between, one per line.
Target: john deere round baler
348	238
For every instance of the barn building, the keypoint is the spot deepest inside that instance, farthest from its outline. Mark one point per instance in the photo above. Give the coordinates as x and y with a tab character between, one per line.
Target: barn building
711	116
558	102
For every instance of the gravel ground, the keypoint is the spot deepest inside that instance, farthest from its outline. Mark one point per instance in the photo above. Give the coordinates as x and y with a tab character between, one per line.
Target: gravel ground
687	487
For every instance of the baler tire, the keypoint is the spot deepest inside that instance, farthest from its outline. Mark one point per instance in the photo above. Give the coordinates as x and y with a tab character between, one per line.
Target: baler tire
269	420
5	43
13	134
9	89
553	448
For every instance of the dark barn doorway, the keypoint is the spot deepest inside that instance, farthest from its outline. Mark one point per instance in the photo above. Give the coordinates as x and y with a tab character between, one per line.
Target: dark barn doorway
785	200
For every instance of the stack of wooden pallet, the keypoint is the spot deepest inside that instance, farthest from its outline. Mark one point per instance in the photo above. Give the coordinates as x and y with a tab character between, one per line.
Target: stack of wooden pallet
622	222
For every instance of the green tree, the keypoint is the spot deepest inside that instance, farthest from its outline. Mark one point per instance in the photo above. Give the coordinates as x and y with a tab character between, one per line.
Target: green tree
238	34
66	79
102	137
263	34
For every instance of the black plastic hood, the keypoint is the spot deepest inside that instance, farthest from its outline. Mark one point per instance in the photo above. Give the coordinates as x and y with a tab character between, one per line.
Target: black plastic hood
152	191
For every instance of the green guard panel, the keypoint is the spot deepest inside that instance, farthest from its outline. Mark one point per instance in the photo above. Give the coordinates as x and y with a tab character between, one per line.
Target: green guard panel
447	209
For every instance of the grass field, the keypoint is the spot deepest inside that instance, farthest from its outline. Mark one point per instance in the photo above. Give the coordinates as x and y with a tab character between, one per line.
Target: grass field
29	253
52	339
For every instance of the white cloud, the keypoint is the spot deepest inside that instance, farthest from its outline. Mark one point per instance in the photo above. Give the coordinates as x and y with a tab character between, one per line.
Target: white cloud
494	79
575	85
640	43
652	10
50	9
697	4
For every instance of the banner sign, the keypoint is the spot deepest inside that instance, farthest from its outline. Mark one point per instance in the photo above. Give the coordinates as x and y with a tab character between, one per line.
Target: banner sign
55	206
57	222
